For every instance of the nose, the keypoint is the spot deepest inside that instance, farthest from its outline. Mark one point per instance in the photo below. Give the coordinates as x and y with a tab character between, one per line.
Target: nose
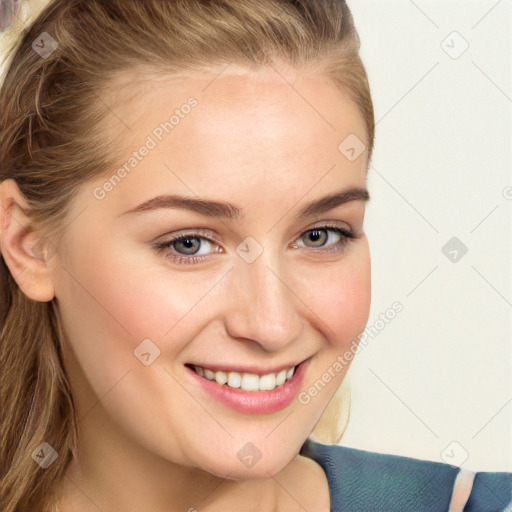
263	306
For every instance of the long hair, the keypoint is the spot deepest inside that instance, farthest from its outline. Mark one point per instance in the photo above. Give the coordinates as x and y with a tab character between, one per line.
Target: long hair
51	142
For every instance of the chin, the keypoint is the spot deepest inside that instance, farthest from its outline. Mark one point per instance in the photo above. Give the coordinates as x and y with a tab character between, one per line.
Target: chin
259	470
242	467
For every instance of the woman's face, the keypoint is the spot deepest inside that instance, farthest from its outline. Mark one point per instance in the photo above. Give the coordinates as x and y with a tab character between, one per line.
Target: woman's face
251	289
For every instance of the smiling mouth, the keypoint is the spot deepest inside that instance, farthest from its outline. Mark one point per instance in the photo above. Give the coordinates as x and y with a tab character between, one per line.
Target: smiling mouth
246	381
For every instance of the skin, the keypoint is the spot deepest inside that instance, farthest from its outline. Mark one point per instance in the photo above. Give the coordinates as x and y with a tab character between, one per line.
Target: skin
149	438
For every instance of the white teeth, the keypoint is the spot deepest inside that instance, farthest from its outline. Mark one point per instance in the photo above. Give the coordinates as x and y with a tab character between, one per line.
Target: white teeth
221	378
234	380
250	382
247	381
268	382
281	377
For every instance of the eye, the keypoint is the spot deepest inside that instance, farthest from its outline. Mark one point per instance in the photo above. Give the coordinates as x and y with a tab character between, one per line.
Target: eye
327	238
190	248
188	245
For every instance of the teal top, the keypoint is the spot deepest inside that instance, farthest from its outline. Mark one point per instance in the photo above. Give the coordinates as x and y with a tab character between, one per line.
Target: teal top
364	481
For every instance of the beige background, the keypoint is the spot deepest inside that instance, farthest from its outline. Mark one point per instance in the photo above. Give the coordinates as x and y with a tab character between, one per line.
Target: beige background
440	371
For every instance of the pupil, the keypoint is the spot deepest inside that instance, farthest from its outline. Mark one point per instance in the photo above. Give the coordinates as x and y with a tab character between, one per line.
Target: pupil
316	235
190	243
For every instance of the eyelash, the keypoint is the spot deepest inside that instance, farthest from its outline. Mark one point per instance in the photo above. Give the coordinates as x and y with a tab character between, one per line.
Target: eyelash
163	246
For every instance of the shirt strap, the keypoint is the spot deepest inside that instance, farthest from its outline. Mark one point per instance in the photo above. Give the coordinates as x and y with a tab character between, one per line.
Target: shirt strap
461	490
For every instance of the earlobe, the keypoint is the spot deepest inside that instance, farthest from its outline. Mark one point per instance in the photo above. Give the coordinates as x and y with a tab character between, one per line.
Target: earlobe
25	250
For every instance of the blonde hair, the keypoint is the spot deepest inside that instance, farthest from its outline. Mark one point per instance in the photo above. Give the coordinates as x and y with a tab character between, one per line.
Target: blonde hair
51	143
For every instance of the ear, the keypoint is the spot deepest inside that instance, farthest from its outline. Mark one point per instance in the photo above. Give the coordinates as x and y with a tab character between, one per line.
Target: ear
25	250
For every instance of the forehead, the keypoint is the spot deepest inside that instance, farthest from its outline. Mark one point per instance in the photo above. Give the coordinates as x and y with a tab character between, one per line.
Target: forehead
256	100
269	128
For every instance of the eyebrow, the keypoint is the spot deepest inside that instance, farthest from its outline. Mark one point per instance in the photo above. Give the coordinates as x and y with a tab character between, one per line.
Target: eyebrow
222	209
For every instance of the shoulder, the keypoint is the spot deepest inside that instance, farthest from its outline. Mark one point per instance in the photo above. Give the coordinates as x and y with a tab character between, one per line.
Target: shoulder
369	481
491	492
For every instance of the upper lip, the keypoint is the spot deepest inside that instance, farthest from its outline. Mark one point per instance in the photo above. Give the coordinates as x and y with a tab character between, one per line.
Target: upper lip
258	370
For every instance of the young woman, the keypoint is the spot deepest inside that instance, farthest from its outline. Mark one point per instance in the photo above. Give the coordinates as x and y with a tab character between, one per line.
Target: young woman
184	267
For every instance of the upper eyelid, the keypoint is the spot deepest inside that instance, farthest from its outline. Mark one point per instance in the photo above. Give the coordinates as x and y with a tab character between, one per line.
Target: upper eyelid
207	233
200	233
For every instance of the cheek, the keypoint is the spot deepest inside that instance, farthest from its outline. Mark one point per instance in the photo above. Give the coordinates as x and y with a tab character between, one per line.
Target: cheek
122	297
343	296
111	301
107	309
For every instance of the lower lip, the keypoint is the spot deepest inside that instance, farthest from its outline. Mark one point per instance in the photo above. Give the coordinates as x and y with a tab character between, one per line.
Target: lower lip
254	402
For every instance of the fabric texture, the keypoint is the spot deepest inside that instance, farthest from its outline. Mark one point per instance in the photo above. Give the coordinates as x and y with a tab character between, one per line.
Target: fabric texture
364	481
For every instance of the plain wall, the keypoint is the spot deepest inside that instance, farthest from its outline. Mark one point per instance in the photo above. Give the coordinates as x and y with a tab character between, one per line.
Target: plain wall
436	382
